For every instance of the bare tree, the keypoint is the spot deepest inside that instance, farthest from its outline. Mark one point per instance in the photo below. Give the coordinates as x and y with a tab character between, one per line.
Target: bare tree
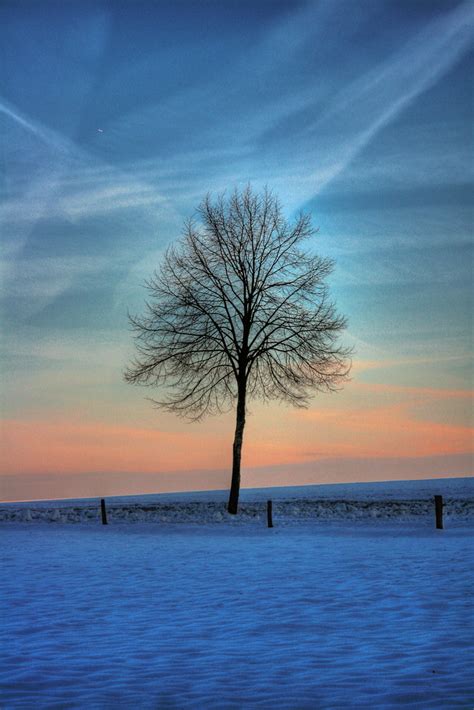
237	310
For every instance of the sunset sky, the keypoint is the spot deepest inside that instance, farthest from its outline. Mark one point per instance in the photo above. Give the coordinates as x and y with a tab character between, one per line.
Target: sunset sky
118	117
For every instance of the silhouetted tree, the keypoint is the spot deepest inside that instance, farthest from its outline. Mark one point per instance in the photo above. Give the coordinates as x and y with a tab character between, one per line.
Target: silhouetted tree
237	310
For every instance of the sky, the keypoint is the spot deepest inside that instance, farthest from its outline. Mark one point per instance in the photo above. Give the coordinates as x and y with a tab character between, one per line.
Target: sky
117	118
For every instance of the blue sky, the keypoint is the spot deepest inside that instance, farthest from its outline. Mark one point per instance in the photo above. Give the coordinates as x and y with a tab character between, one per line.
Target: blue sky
118	117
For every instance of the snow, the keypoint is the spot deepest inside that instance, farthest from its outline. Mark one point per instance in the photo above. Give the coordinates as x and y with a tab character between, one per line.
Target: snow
315	613
395	500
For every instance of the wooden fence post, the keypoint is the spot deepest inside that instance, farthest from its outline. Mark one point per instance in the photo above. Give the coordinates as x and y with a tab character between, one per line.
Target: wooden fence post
439	512
269	514
103	511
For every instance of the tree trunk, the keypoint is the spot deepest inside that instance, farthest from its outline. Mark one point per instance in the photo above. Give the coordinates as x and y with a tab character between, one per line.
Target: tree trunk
237	449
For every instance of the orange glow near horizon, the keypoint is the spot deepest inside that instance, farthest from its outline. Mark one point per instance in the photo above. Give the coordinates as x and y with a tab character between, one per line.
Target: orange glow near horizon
368	431
376	421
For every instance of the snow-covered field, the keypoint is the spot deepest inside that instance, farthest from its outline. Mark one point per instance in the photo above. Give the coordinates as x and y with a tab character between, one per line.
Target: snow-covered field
335	611
395	500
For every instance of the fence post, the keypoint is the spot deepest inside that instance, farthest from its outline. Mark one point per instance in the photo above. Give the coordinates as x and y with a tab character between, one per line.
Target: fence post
103	511
439	512
269	514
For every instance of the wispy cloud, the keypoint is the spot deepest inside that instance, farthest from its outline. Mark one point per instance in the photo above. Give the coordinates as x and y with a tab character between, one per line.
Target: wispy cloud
392	421
70	182
360	110
229	123
46	135
48	277
360	366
